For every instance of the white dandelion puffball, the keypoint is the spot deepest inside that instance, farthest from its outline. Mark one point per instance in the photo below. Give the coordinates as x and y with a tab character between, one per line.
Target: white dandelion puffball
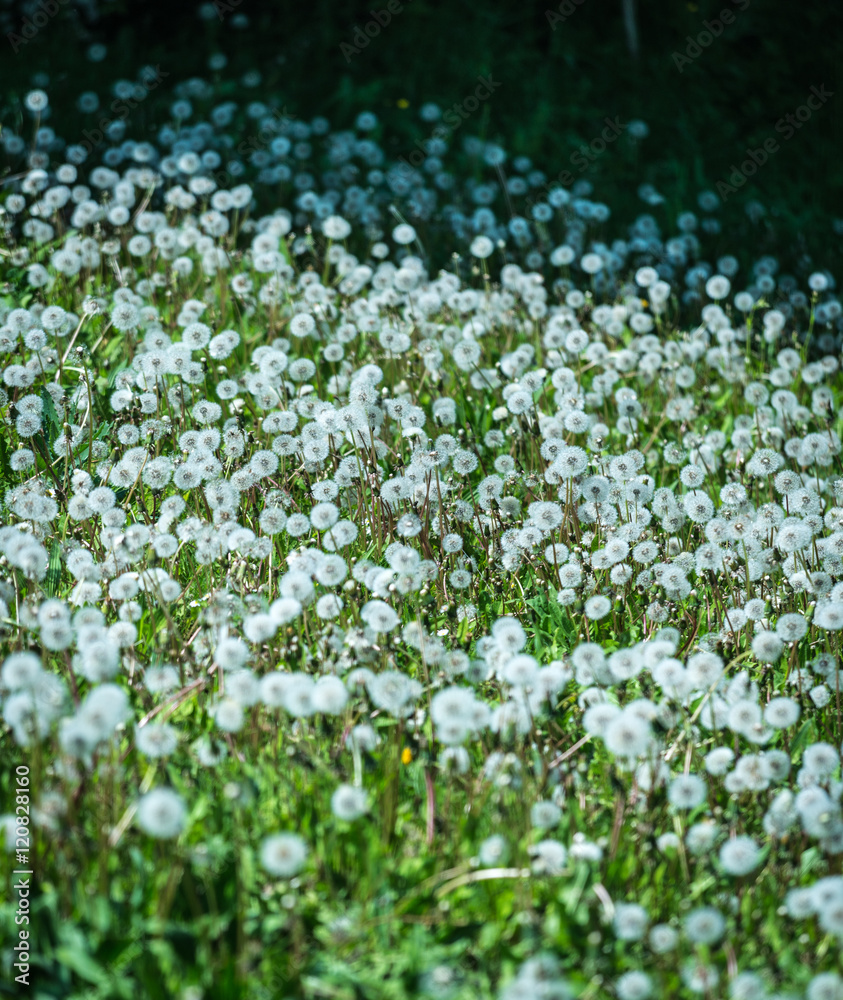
283	854
162	813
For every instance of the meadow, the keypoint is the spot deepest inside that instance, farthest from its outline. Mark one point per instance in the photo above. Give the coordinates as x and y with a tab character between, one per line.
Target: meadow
413	581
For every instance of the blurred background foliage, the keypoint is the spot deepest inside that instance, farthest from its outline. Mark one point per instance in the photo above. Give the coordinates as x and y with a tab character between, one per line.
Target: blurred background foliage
563	68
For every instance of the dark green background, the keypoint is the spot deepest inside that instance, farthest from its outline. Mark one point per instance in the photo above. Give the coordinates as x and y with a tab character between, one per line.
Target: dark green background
556	86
